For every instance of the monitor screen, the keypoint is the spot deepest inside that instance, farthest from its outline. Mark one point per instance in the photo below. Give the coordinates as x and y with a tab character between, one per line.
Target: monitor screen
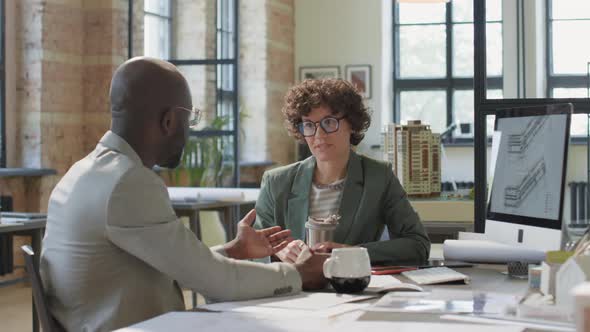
527	185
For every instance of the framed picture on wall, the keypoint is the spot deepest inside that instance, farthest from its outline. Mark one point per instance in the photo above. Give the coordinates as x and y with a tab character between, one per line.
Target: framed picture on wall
318	72
360	77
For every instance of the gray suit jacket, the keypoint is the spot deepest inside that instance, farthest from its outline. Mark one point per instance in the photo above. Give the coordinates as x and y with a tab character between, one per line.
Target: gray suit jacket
114	251
372	198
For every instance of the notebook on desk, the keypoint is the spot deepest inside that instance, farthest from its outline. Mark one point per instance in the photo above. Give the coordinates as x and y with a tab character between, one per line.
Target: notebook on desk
436	275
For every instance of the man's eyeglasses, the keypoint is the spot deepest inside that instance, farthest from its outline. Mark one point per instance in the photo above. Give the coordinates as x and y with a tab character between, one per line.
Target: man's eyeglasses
329	124
194	117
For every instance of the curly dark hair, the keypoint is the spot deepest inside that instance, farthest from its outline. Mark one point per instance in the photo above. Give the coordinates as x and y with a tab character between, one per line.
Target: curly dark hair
340	95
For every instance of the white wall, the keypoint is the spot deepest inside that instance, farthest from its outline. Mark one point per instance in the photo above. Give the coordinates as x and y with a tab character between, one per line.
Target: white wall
340	33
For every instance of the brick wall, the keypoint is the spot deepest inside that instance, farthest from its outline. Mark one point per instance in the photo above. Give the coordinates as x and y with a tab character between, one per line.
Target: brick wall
266	72
65	54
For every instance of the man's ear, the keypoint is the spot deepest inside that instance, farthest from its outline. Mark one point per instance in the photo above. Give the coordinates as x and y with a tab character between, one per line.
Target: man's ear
168	123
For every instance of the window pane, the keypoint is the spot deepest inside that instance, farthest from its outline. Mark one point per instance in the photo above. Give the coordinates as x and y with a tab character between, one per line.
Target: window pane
156	32
570	54
490	120
494	10
570	9
421	13
495	94
428	106
463	50
212	92
463	110
494	49
570	93
160	7
195	30
579	125
463	10
579	121
422	51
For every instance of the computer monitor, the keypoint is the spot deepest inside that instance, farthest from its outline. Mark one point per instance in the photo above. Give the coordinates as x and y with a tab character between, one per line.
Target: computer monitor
526	200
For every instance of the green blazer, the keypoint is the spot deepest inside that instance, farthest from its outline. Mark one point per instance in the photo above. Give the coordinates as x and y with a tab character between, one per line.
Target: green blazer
372	198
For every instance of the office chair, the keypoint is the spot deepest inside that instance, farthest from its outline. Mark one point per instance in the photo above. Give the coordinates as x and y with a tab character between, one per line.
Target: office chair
47	322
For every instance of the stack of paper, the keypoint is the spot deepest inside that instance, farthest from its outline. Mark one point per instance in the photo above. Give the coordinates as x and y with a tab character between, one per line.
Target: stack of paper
441	301
302	301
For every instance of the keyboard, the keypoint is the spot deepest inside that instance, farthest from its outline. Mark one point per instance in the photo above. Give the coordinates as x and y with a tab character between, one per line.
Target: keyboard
435	275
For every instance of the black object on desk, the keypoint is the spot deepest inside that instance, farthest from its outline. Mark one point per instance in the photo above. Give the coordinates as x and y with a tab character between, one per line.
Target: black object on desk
6	243
442	262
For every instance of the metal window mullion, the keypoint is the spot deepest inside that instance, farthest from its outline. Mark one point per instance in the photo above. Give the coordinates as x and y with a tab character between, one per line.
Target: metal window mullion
420	24
211	133
171	51
479	96
449	54
189	62
549	48
3	85
567	81
129	29
395	72
236	101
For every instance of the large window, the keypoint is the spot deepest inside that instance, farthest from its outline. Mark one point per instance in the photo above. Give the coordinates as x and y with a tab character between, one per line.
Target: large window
157	28
200	38
433	63
568	58
2	88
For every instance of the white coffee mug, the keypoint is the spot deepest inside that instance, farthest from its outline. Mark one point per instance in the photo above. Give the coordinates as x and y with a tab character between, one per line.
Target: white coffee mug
348	269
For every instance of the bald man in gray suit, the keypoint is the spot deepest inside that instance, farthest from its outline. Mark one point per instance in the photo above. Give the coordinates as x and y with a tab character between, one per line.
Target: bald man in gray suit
115	253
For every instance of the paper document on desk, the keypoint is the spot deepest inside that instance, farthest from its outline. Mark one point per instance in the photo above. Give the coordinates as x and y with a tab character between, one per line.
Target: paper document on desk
189	195
371	325
301	301
201	321
213	322
387	283
503	320
489	252
446	301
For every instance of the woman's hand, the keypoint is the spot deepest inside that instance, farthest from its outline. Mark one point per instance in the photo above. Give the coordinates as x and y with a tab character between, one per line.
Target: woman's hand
326	247
290	253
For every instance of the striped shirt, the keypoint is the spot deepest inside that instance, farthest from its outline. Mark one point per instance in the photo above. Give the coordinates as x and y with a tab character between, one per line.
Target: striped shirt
324	200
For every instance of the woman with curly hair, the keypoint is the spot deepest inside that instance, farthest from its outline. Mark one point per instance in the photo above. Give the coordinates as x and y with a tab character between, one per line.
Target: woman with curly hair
329	116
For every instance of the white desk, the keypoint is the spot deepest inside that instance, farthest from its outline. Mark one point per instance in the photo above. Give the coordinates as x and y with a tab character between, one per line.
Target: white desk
484	278
229	208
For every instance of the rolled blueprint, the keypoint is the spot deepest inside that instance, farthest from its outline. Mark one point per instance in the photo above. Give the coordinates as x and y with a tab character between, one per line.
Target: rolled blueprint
481	251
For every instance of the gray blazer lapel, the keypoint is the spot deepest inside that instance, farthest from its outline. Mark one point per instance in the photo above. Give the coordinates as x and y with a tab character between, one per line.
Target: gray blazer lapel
298	203
351	196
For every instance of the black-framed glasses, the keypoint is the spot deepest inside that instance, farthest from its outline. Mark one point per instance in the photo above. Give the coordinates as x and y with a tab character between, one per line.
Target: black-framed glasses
329	124
194	117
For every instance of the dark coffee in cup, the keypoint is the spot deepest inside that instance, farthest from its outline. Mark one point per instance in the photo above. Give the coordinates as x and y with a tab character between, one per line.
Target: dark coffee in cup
348	269
349	285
